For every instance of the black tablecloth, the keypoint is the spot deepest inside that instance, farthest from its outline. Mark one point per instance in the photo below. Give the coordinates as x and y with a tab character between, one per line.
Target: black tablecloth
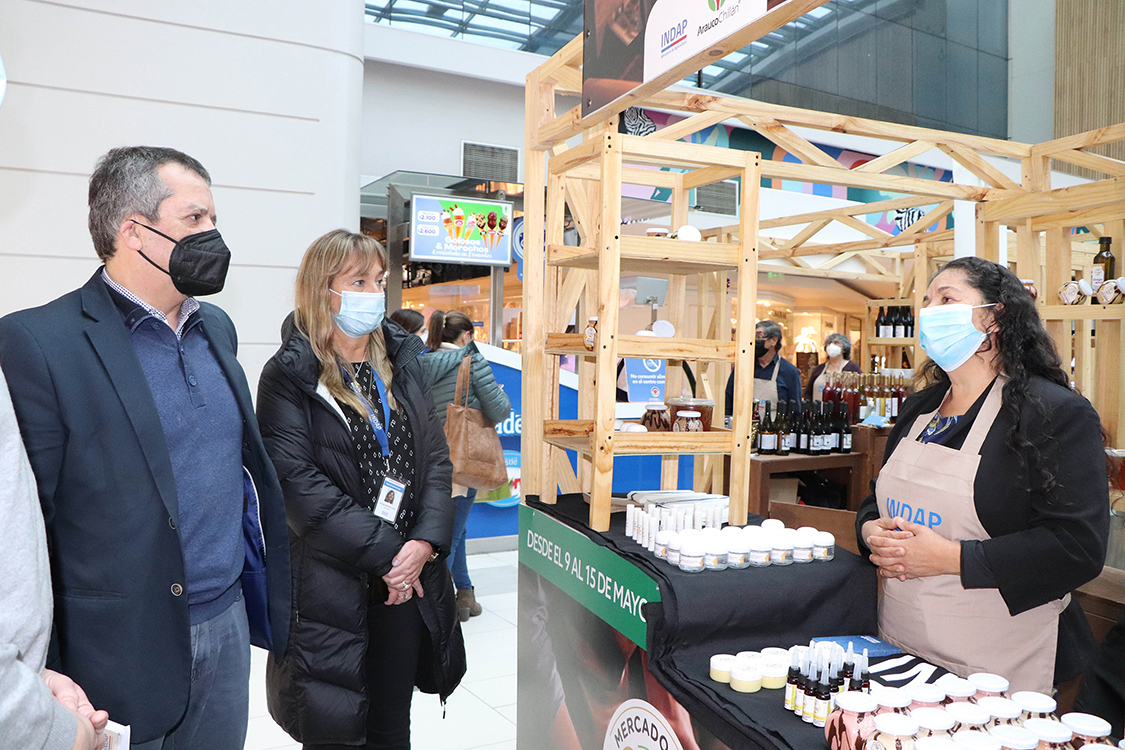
728	611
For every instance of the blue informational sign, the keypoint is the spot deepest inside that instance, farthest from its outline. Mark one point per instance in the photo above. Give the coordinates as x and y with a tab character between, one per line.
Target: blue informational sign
644	379
455	230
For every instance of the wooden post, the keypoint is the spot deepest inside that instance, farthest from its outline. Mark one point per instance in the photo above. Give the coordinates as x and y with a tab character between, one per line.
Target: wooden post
540	104
988	237
744	342
1109	388
609	284
1056	273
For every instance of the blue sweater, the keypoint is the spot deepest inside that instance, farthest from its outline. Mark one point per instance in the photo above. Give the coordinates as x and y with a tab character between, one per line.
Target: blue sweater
203	431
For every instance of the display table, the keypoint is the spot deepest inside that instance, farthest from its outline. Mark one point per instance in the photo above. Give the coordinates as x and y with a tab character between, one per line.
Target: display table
697	615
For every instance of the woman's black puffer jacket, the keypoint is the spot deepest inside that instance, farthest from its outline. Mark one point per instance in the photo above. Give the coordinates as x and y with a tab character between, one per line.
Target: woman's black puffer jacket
317	692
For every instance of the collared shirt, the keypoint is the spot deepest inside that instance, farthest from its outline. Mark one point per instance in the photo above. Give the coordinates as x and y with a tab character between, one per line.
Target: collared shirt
189	307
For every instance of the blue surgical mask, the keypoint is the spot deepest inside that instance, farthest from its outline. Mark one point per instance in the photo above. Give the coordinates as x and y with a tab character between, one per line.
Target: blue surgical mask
360	312
948	334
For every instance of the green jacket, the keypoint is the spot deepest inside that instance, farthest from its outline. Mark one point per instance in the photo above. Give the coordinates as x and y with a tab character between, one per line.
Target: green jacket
440	369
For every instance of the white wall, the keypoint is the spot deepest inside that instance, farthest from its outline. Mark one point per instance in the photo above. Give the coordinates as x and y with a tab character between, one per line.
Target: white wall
415	119
266	97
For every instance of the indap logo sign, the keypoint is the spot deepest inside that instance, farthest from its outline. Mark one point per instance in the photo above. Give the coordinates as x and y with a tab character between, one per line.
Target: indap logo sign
715	5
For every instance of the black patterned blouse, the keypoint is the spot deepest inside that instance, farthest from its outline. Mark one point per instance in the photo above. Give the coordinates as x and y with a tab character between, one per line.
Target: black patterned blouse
371	466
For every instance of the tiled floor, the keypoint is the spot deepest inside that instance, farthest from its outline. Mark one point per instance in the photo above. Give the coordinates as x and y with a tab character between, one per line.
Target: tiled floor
481	714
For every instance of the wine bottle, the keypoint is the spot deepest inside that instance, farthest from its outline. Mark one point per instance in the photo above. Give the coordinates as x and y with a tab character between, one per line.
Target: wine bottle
767	441
803	434
781	426
909	310
845	432
755	429
900	322
794	425
1105	265
881	323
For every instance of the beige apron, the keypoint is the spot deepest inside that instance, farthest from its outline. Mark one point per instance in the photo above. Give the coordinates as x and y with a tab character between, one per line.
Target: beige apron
766	390
819	383
963	630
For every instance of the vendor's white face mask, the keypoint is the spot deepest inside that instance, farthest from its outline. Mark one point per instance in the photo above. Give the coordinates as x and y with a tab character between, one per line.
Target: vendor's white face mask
949	335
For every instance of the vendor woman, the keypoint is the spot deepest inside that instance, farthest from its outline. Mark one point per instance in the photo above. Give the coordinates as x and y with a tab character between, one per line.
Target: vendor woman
992	505
839	350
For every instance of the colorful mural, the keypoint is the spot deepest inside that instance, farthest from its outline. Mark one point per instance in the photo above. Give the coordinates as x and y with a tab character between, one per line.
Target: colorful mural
641	122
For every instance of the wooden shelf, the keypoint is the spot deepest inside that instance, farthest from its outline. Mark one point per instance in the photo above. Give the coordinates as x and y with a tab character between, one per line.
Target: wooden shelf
640	254
1082	312
890	342
576	435
646	347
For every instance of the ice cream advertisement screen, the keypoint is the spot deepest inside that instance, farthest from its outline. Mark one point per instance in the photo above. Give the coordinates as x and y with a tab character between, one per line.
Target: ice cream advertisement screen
454	230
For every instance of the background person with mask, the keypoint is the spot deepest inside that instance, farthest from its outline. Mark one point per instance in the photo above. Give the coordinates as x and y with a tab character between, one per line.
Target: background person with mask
775	379
350	426
839	351
992	504
151	472
411	321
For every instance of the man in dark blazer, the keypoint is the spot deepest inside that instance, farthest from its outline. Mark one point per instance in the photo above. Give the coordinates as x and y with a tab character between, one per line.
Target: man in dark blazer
165	520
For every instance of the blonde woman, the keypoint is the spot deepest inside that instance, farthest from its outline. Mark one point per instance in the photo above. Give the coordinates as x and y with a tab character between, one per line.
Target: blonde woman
365	468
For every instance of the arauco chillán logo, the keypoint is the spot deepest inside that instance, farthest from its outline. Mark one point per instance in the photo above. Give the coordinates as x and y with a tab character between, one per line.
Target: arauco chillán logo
715	4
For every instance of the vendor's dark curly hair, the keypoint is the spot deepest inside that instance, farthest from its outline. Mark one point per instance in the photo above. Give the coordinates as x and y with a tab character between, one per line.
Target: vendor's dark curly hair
1024	351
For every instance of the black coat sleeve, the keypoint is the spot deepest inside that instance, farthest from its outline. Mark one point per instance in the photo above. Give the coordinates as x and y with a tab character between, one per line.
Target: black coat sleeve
434	484
318	511
1064	544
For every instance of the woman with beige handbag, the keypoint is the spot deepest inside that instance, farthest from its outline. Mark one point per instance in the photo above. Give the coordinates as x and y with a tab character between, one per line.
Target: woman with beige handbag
451	344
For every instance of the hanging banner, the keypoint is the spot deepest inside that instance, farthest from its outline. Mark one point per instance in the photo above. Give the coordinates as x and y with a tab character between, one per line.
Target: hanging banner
633	42
454	230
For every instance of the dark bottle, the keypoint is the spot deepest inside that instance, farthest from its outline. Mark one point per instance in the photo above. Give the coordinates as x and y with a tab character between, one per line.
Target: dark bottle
767	434
755	429
900	322
808	710
909	311
823	698
803	430
781	426
822	445
1105	265
794	426
881	324
845	432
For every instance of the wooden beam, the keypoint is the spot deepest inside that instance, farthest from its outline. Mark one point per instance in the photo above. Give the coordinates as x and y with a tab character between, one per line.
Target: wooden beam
846	247
801	237
1079	218
558	129
644	150
860	209
569	55
581	154
690	126
1097	137
794	116
1077	197
791	142
1097	162
870	230
976	164
708	175
894	158
569	294
569	80
890	183
931	217
817	273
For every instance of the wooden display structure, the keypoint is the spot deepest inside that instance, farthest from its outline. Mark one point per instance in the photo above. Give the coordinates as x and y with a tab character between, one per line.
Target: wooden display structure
586	180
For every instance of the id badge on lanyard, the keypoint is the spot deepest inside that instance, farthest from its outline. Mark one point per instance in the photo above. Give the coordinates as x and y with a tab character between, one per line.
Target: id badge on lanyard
393	489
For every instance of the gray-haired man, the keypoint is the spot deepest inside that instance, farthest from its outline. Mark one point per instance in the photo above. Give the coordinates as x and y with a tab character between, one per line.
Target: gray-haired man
160	504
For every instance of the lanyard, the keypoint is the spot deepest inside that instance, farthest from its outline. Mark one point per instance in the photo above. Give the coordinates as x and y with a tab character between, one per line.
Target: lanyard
372	418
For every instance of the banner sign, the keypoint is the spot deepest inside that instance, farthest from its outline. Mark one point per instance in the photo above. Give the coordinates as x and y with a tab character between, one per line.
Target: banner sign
454	230
600	580
644	379
631	42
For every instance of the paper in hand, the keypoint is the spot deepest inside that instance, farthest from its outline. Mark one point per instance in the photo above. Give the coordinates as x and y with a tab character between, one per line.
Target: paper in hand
115	737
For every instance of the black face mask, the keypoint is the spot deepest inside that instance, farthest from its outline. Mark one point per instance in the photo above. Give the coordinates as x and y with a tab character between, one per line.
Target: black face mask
759	348
198	264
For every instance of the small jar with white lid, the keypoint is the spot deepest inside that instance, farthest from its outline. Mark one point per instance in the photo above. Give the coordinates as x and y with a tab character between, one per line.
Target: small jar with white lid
935	743
1088	729
781	551
738	554
824	546
773	524
1002	710
687	421
1014	738
957	690
691	554
747	657
975	740
803	547
933	722
746	676
661	547
760	549
1052	735
892	700
851	722
774	673
1034	705
968	716
893	732
925	695
715	552
775	653
989	685
721	665
673	553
